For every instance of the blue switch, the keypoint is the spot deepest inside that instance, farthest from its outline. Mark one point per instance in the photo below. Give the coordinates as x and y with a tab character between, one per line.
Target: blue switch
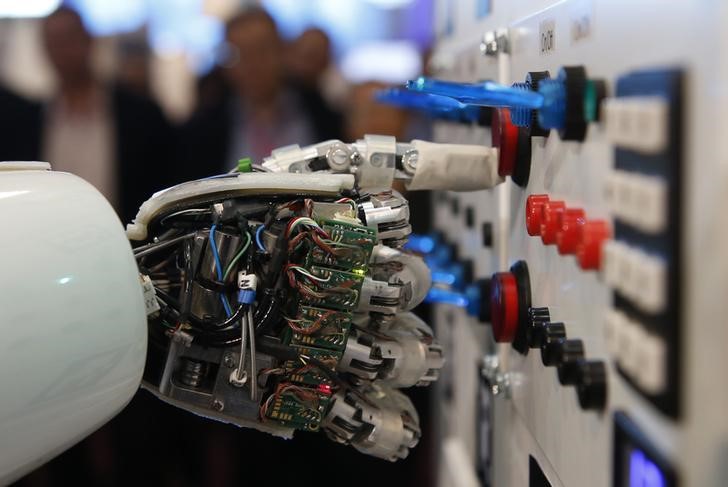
474	299
484	93
438	295
422	244
553	112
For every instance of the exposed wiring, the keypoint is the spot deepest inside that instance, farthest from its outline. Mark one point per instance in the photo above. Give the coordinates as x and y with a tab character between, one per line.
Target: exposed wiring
237	257
156	246
351	202
218	269
258	241
240	371
253	371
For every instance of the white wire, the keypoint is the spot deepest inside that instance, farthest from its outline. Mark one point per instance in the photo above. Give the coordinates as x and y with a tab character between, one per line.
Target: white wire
253	372
308	274
243	346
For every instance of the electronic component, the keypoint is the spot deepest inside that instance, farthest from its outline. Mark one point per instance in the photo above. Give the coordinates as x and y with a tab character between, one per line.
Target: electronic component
280	311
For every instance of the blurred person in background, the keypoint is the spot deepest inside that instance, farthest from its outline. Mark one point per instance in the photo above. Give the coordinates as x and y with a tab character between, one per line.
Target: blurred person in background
19	119
367	116
115	139
310	66
133	71
262	112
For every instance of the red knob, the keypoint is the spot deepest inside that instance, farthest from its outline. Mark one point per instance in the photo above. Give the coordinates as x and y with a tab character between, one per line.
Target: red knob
504	136
534	213
551	221
567	240
589	250
504	306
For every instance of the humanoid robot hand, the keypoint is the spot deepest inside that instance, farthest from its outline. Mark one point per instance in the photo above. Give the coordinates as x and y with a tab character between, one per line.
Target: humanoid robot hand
279	299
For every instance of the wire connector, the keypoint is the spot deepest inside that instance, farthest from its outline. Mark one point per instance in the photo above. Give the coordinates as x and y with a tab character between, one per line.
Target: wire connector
247	283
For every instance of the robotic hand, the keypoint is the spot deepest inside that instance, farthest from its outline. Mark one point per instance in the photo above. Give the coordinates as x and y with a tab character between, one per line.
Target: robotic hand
280	299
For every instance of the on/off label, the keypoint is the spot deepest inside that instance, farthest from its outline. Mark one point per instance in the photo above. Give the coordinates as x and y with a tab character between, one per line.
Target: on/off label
547	36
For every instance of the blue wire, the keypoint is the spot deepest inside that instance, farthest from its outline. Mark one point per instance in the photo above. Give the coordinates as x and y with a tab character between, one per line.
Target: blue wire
258	242
218	270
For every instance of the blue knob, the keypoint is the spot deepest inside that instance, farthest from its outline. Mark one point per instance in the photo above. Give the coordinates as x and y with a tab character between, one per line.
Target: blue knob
485	93
553	112
520	116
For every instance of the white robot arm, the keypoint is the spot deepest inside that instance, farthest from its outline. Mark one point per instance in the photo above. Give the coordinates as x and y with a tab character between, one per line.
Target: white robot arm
277	299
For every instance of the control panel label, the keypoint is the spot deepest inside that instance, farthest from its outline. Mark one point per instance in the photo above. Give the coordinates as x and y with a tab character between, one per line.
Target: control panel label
547	36
580	20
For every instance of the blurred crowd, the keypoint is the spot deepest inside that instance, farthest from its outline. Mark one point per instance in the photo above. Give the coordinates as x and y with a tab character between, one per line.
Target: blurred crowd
265	93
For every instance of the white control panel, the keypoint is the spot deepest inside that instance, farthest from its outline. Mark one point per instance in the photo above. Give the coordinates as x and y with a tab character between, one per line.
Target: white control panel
614	371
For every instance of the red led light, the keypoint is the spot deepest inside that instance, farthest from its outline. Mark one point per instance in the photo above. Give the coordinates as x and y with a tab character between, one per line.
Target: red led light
504	136
551	221
324	389
504	306
589	251
568	238
534	213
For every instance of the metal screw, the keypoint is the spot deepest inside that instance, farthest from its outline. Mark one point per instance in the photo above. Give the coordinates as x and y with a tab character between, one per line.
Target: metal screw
338	157
495	42
218	405
228	361
499	382
409	161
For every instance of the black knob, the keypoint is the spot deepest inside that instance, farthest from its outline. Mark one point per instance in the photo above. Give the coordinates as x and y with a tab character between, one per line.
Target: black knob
572	351
537	317
591	386
469	216
553	335
487	231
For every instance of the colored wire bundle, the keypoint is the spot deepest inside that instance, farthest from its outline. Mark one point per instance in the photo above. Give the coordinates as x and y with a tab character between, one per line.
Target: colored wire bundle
219	270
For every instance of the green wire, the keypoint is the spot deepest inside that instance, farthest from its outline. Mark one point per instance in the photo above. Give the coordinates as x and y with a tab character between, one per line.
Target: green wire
237	257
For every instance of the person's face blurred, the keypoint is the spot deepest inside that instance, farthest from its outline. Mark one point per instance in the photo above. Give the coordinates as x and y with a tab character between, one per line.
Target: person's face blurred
68	47
257	74
309	56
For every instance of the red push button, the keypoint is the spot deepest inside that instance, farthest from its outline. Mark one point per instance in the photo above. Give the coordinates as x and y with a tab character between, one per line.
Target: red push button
534	213
504	306
504	136
589	251
551	221
568	238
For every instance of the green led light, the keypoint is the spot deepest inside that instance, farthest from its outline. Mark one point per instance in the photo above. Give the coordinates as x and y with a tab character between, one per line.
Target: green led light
591	101
245	164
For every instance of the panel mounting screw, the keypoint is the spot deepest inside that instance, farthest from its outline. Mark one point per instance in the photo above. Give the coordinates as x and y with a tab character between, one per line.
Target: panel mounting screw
228	361
218	405
499	382
495	42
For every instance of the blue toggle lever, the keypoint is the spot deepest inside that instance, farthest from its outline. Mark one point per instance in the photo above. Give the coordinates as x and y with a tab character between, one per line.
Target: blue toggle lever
438	295
422	244
436	105
485	93
471	299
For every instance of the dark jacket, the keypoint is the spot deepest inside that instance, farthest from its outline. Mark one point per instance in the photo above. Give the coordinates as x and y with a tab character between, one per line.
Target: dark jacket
20	122
144	143
205	140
